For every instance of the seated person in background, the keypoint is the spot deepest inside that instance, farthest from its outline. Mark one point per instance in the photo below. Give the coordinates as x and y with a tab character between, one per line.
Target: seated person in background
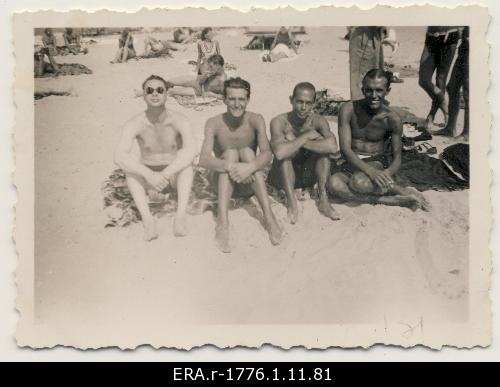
72	40
166	149
230	150
49	49
126	48
302	144
209	84
184	35
283	46
153	46
364	127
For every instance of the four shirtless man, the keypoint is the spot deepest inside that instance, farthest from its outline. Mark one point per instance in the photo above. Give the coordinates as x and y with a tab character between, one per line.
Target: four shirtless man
157	150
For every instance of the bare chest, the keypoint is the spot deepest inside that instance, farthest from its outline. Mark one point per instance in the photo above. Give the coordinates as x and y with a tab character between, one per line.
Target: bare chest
236	139
158	138
368	128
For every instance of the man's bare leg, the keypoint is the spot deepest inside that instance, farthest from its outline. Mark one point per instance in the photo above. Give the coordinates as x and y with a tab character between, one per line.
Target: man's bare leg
322	169
225	192
288	183
260	190
184	182
184	81
136	186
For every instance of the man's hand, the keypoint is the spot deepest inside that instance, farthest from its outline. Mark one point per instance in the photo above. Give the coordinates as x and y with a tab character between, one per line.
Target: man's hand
312	135
157	181
240	172
382	178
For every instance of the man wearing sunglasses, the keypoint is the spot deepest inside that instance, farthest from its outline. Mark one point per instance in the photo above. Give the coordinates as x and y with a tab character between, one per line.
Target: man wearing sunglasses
156	151
230	151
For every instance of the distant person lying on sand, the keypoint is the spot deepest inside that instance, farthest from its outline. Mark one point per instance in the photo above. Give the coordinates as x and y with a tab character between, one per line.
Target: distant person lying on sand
126	48
302	144
207	47
153	46
72	40
166	149
209	84
49	49
230	151
367	175
184	35
283	46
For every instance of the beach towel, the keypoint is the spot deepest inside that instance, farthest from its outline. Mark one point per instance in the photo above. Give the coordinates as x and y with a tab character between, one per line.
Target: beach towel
457	157
195	102
154	54
67	69
120	209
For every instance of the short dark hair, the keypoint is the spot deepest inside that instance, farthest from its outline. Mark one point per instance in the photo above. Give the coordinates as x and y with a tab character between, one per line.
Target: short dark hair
216	59
204	32
154	77
304	86
378	73
236	83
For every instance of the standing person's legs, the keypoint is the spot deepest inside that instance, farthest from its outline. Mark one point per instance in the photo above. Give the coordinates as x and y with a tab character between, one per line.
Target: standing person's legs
465	91
225	188
184	182
136	185
322	170
445	60
426	71
260	190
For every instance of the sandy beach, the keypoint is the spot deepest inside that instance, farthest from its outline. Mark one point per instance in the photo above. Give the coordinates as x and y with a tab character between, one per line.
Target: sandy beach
377	263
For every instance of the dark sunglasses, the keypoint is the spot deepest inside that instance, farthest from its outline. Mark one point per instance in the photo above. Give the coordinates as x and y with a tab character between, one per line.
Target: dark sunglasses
159	90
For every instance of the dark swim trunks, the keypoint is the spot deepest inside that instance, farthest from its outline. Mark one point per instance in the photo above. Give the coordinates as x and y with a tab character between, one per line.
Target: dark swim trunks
304	164
344	167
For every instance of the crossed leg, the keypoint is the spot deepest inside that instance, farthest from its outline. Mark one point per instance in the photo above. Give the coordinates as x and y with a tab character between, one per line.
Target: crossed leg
288	184
183	182
322	170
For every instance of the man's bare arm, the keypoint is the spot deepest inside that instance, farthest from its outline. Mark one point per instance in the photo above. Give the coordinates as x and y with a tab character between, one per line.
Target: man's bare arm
123	153
187	153
207	159
325	145
282	148
265	155
396	127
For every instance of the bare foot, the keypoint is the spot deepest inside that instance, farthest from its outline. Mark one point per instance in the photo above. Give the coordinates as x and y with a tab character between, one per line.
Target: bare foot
443	132
419	196
326	209
180	226
222	238
150	230
292	212
463	138
429	121
274	231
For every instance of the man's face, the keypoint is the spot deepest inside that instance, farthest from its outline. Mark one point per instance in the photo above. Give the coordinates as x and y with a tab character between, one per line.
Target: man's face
236	101
155	93
213	67
375	91
302	102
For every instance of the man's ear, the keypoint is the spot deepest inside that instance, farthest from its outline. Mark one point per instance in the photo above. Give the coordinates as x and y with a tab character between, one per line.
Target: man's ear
291	99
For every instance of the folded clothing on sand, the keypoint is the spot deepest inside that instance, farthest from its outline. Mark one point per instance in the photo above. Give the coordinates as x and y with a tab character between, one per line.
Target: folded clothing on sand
66	69
196	103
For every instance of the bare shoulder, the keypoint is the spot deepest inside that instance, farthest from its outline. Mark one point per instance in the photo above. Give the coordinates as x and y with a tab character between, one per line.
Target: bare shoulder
135	123
279	119
319	121
255	118
393	119
346	108
176	117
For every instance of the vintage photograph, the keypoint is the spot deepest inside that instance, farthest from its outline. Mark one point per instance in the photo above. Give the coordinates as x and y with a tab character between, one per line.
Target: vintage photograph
251	175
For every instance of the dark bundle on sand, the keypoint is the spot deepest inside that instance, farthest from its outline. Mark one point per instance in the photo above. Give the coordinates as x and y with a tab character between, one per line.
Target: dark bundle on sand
158	54
43	94
326	105
65	69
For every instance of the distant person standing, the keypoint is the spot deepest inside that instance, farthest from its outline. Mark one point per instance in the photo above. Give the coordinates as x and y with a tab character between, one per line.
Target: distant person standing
366	53
437	56
459	79
49	49
207	47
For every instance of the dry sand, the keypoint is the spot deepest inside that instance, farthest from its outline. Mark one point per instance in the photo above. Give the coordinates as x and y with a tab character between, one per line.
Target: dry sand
378	263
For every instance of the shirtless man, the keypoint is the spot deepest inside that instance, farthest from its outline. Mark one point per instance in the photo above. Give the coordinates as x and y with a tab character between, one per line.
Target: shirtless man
72	40
49	49
302	144
153	46
166	149
364	126
209	84
230	151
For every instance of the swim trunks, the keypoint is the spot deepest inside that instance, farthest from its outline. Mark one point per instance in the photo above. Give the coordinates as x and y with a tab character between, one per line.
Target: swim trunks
342	166
304	164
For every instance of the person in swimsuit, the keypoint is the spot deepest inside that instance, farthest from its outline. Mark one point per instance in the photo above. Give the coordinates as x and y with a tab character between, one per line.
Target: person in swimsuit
283	46
302	144
156	151
459	79
72	40
230	150
437	57
365	128
48	50
126	48
209	84
153	46
207	47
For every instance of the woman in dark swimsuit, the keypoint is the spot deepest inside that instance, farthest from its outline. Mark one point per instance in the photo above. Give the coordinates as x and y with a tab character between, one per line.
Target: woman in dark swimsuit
437	56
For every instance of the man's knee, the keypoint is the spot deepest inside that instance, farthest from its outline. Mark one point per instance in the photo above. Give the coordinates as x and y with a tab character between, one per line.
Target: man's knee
336	184
361	183
231	155
246	154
